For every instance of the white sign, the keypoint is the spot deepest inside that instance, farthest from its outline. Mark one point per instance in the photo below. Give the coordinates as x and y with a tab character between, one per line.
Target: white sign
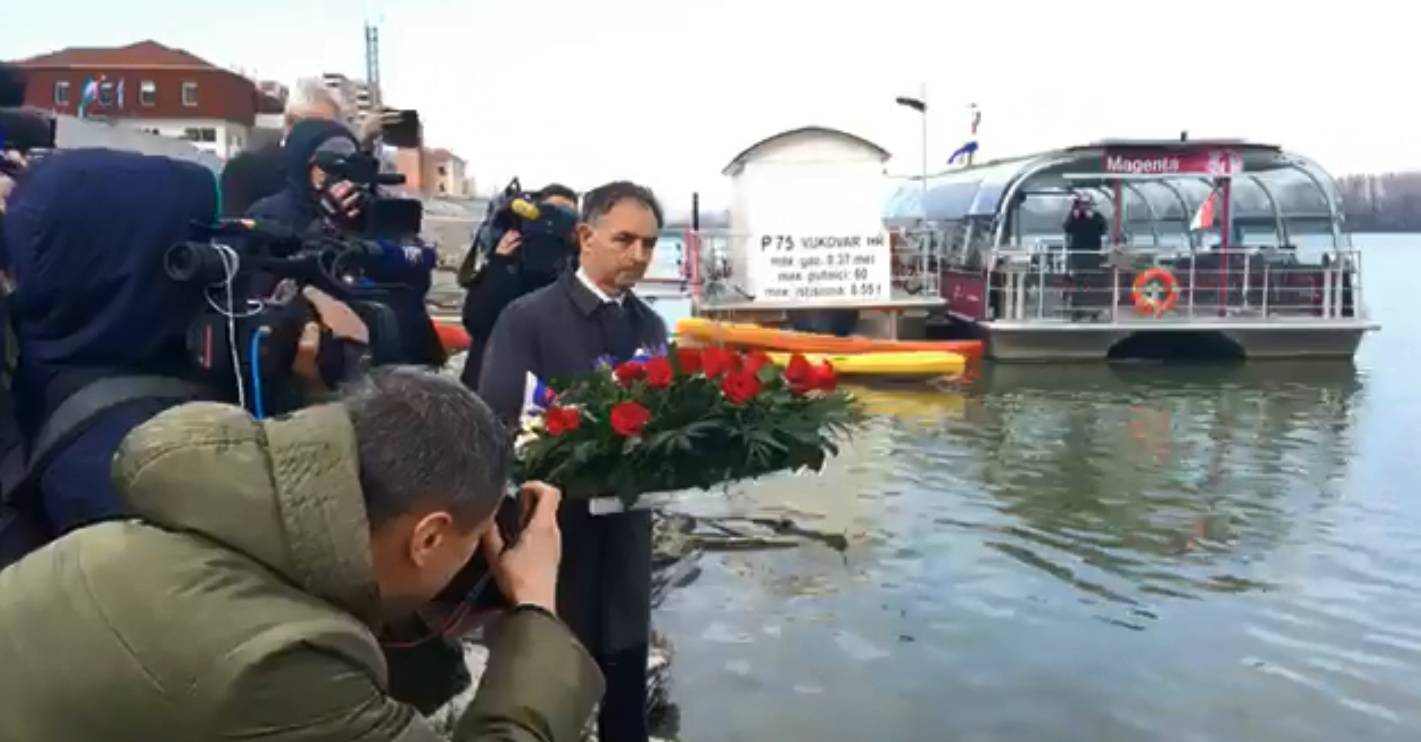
820	268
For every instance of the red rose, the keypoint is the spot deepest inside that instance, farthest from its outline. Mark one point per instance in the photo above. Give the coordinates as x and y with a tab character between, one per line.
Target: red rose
799	374
560	420
630	371
716	362
740	386
689	359
824	377
629	418
659	372
756	360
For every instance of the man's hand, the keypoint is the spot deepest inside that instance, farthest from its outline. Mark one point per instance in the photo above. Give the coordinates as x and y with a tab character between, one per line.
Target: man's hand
342	321
337	315
527	573
344	199
509	243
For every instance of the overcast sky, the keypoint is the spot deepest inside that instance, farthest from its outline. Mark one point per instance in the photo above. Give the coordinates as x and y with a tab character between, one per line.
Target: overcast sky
667	91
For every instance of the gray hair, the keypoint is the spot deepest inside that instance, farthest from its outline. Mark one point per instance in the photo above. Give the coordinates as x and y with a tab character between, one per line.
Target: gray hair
308	96
424	439
600	200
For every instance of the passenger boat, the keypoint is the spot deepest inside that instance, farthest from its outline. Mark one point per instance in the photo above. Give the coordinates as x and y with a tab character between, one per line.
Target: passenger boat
1214	247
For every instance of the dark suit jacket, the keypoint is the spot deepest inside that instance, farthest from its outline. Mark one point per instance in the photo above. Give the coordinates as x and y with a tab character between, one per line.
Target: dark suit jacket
559	332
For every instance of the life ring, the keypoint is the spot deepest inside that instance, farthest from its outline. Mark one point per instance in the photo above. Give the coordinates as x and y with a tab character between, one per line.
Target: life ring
1154	291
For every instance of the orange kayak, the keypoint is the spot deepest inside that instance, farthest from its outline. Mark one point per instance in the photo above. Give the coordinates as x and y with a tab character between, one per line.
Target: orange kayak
705	331
453	337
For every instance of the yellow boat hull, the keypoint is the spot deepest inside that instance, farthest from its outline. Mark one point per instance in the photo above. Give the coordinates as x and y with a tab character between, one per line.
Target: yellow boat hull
903	364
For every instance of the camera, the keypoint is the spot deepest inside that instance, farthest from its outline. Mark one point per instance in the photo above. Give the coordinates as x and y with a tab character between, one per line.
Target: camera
474	585
546	234
381	217
253	274
26	131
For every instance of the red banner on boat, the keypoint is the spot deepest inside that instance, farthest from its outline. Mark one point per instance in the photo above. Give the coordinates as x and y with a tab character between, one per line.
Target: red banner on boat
1143	162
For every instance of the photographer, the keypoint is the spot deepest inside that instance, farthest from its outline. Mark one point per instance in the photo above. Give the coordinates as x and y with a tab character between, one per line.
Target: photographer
257	173
101	331
274	549
527	256
315	200
310	193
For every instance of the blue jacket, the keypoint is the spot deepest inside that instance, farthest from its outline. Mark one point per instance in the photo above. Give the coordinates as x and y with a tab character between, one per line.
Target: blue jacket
86	236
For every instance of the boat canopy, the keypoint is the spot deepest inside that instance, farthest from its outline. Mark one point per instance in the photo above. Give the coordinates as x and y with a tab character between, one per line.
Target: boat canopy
1271	188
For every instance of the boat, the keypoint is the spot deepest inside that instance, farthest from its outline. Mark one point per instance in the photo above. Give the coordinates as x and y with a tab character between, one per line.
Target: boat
1220	247
746	335
895	364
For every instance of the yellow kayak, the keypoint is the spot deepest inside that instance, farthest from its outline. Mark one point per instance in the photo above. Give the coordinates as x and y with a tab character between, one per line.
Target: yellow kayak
741	335
900	364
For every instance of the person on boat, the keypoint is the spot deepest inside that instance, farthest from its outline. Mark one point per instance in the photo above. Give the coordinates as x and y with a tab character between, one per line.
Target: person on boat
243	598
560	332
513	270
1085	229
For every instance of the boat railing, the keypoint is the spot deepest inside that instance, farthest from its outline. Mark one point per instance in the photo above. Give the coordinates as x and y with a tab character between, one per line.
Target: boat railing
1118	286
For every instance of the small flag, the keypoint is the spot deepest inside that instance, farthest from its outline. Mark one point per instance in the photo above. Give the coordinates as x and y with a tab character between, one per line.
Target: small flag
913	103
976	119
1204	217
536	395
963	151
88	95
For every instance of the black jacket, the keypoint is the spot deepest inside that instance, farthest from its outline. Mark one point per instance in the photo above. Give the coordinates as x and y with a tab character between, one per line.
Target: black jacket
501	282
560	332
251	176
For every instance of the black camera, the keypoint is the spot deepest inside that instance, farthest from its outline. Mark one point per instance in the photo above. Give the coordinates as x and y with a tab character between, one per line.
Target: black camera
474	585
546	231
253	274
381	218
23	130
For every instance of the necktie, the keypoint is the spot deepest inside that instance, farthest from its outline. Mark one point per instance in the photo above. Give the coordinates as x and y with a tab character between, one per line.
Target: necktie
618	331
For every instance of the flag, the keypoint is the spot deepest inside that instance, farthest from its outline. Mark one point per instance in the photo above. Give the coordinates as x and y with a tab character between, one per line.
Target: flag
88	95
963	151
1204	217
120	92
976	119
913	103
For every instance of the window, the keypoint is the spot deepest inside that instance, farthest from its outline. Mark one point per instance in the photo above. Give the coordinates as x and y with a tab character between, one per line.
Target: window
61	93
148	93
441	188
105	93
190	94
206	134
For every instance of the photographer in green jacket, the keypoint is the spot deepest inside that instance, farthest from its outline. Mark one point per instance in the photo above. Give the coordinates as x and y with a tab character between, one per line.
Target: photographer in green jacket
242	599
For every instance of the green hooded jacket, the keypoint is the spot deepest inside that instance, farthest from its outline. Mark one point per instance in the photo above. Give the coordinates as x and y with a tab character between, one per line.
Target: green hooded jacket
241	603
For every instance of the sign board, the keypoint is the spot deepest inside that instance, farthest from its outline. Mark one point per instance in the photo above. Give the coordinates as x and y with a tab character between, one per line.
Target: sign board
850	267
1147	162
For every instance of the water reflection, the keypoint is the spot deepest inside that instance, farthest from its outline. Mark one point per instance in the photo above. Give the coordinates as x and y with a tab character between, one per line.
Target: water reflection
1087	552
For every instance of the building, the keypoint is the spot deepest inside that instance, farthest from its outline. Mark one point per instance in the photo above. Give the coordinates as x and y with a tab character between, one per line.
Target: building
433	173
447	178
149	87
356	97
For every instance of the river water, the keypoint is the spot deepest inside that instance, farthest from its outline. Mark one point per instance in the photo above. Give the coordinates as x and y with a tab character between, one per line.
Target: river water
1093	553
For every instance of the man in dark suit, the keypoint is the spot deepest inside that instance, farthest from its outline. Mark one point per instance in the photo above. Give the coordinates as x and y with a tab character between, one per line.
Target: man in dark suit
560	332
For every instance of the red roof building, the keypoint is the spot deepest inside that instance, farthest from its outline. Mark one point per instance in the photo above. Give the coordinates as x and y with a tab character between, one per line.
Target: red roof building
147	86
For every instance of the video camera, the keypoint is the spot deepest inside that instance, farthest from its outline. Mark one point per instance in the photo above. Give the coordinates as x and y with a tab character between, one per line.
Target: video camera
253	274
546	234
381	217
22	130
